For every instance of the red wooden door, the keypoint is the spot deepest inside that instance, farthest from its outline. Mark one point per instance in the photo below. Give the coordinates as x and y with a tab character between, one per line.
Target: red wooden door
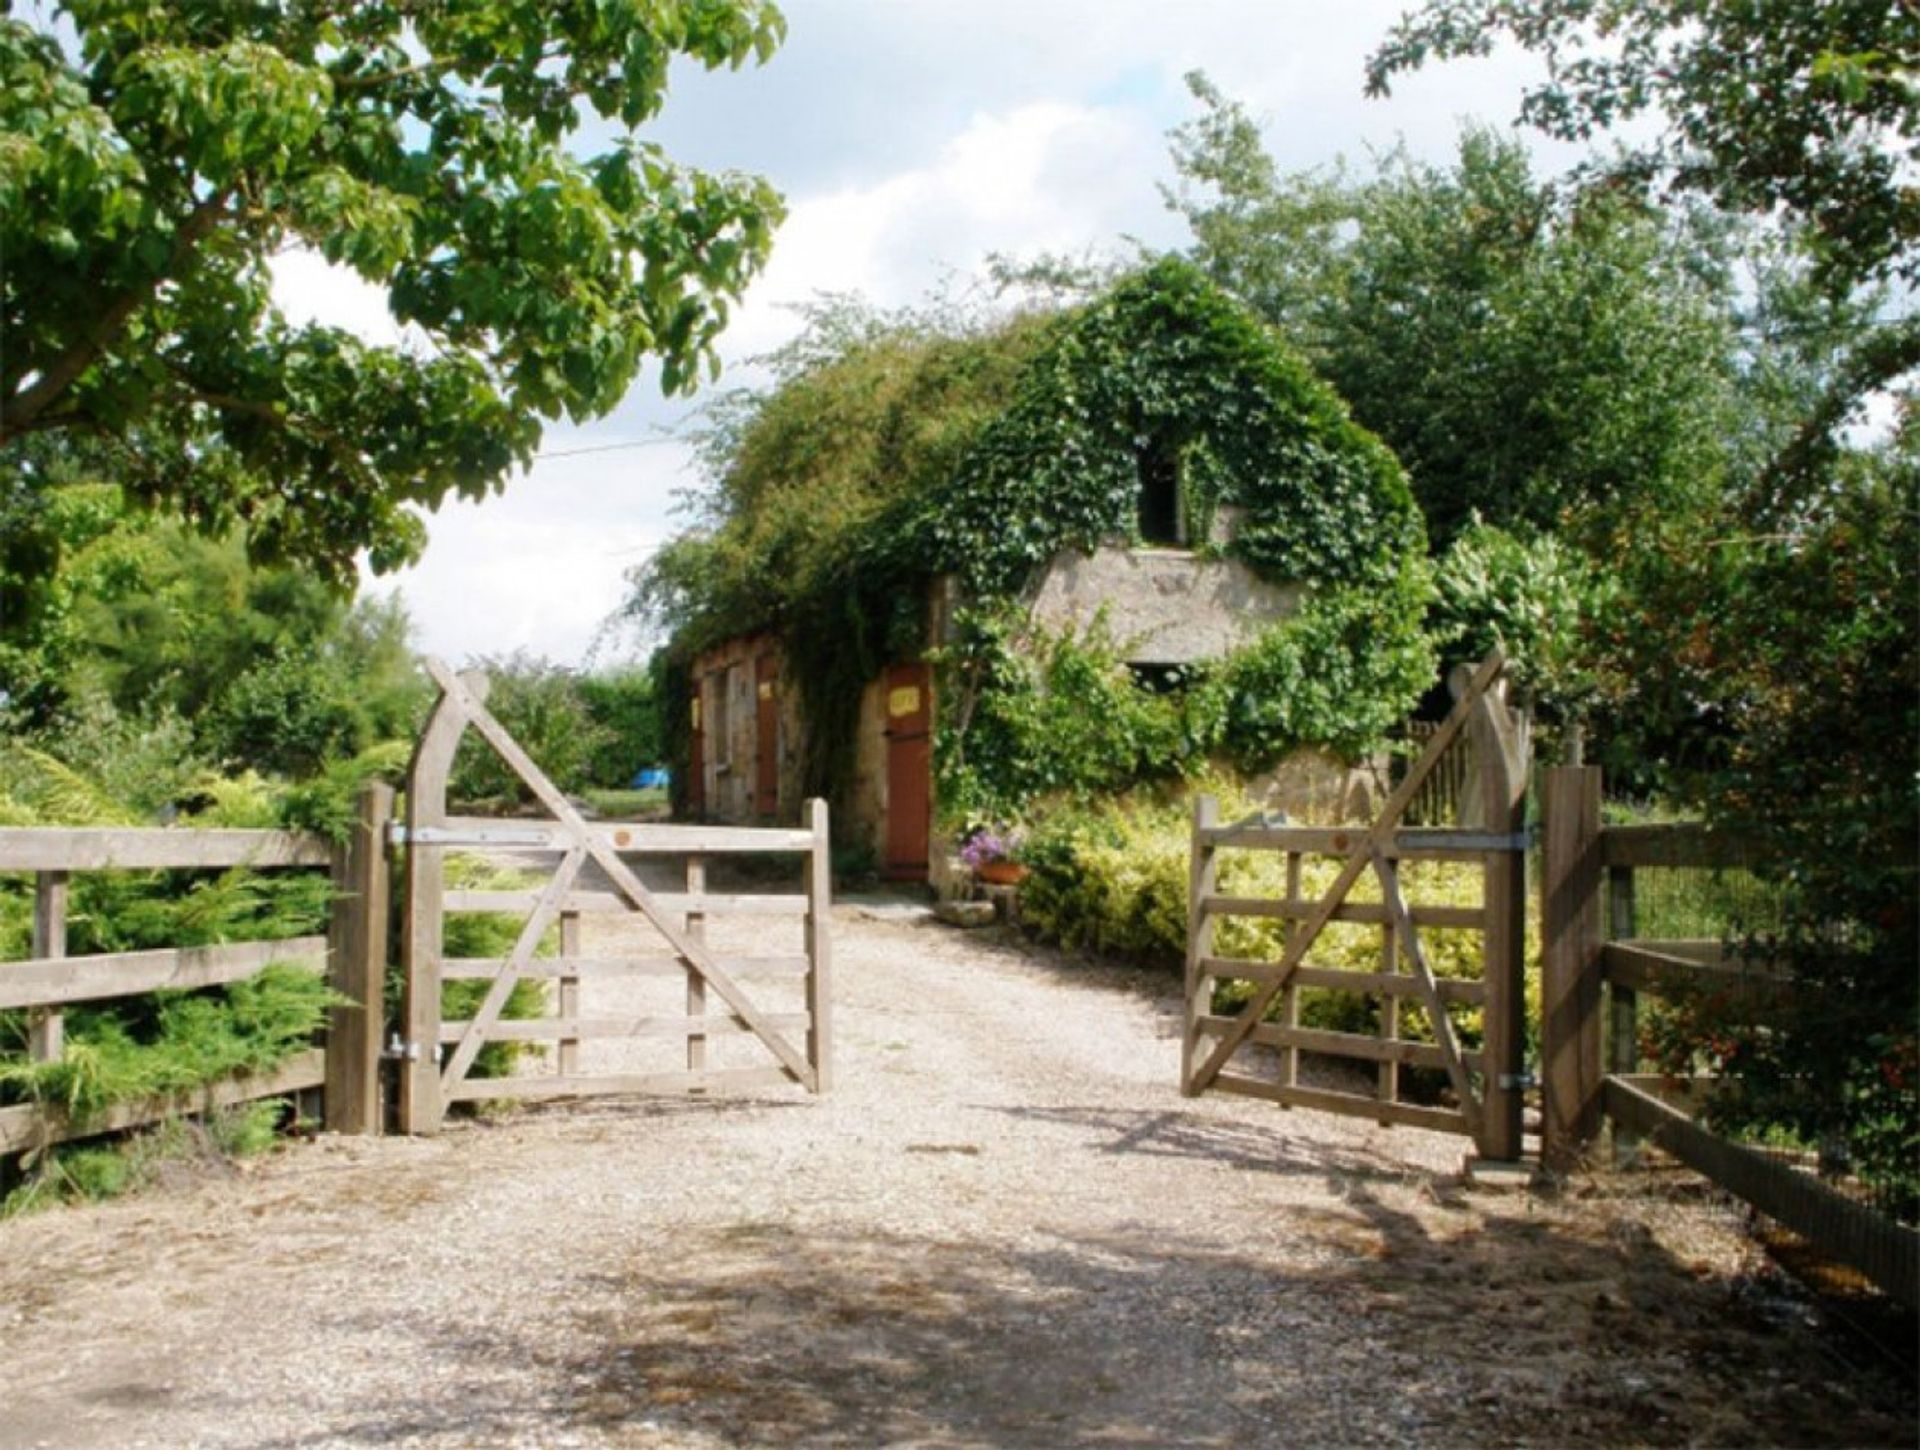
696	760
909	705
766	736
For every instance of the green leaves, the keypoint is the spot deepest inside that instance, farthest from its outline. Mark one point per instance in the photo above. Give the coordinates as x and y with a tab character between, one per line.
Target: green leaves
895	450
147	187
1166	359
1536	365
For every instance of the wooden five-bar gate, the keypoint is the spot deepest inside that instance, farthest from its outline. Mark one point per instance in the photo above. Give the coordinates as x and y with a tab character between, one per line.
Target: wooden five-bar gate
1236	1053
438	1054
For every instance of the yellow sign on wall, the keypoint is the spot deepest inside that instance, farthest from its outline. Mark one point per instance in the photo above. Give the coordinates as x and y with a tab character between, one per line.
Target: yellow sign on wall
766	689
696	712
903	701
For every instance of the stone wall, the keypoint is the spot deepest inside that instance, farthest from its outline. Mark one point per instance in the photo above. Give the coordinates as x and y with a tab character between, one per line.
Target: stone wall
1163	606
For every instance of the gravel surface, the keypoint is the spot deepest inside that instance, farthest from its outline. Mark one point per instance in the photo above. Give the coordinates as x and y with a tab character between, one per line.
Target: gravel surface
1004	1227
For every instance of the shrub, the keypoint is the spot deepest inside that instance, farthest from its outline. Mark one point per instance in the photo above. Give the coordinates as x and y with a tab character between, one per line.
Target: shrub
542	705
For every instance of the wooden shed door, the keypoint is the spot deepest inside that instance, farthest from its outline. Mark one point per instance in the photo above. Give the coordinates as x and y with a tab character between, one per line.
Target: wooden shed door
697	759
766	736
909	705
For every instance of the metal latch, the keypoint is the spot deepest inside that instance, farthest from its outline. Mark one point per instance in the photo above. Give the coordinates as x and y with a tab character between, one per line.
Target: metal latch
1520	1080
399	834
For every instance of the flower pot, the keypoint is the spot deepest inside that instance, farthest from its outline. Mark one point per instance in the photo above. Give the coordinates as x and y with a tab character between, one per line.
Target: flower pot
1000	873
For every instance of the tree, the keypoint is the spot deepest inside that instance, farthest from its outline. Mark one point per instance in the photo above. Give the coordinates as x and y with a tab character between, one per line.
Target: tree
1778	104
1533	362
1778	108
109	613
1765	654
148	178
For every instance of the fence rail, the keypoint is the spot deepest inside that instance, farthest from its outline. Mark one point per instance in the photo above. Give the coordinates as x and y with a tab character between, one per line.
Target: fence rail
52	980
1594	969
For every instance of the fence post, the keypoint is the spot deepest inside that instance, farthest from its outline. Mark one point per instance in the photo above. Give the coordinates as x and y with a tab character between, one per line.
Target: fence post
1570	979
1503	808
46	1036
820	947
357	967
567	1004
1202	877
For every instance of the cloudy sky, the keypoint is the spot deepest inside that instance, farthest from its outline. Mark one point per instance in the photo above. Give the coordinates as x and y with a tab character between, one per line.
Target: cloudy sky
911	138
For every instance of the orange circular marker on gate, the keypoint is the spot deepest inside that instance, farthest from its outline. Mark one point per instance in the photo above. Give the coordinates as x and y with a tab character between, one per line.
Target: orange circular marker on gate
620	838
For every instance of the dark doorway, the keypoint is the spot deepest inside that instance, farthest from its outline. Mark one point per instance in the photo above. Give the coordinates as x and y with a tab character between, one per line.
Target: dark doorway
696	761
1163	514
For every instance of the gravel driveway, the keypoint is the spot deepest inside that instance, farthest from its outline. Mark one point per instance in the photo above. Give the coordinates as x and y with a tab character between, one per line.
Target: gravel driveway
1004	1227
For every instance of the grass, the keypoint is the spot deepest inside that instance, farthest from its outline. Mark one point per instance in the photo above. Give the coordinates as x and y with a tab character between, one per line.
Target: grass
629	804
94	1172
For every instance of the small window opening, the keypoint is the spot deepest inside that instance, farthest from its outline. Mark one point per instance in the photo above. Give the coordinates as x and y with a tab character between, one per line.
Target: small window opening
1163	514
1160	679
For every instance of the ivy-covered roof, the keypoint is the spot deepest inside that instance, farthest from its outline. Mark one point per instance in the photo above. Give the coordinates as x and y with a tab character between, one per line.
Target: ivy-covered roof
909	452
1168	362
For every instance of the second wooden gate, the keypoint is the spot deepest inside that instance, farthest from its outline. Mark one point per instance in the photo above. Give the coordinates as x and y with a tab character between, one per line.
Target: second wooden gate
439	1055
1258	1049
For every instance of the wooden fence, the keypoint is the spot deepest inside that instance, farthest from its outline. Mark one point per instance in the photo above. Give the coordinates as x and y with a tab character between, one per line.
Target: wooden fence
1595	969
51	981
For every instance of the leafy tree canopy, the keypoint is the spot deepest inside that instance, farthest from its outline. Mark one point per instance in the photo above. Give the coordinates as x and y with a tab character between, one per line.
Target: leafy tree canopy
141	620
1807	113
1533	363
1811	109
149	175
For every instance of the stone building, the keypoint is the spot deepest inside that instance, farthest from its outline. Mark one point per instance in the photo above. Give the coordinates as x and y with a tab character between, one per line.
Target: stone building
1164	603
1160	461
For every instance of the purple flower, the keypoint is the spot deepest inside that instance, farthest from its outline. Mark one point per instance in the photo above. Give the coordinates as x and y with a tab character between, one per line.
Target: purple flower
989	844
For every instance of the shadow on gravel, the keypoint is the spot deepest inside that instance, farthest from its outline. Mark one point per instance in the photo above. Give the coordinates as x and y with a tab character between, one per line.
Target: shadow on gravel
1178	1133
1510	1331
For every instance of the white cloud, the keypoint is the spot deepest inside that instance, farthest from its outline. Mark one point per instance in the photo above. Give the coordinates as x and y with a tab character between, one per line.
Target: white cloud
1050	176
541	566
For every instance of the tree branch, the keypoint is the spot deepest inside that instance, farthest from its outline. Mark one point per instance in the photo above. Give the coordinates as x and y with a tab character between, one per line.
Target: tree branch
1879	360
341	451
17	414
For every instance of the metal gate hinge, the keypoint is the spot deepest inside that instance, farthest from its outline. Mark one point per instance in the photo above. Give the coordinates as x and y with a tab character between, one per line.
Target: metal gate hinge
400	1050
1521	1080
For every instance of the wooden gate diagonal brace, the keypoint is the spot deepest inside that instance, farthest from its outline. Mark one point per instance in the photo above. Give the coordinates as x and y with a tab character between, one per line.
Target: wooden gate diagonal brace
1375	838
1429	989
545	912
629	885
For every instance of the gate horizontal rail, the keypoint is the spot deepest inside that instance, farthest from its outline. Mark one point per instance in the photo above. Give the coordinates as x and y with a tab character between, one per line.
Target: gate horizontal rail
51	980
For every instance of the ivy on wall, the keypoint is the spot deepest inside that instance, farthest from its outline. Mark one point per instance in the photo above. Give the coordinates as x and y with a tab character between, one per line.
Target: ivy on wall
889	455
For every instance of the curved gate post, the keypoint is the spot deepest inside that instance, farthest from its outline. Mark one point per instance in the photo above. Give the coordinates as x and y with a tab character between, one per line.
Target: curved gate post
1502	761
421	1106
